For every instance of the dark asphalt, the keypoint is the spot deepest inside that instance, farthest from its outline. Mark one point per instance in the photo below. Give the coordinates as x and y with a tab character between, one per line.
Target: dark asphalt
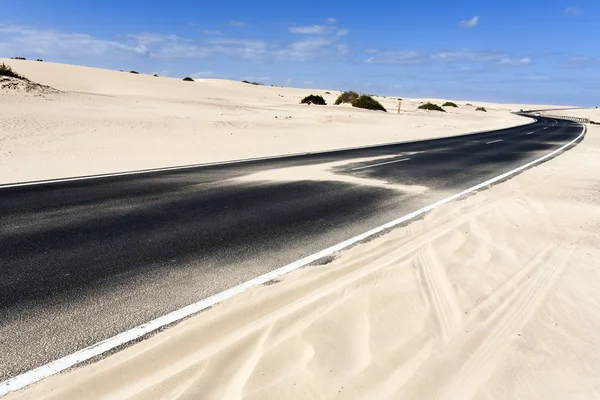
84	260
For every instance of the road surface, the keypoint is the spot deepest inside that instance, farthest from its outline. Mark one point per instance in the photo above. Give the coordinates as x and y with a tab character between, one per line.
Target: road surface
83	260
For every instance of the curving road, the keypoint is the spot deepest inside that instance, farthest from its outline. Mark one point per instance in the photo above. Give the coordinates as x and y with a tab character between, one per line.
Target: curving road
83	260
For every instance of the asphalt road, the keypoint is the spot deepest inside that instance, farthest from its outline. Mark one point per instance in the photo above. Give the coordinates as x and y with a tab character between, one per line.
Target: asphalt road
84	260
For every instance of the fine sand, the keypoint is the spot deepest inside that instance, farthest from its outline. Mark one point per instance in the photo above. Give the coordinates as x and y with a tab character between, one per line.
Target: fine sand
104	121
491	297
494	296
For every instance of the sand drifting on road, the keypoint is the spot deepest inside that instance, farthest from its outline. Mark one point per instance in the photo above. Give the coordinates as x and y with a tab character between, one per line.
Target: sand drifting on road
102	121
491	297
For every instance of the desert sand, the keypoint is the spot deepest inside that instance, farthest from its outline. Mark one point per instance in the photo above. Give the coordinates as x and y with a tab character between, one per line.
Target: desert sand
491	297
494	296
104	121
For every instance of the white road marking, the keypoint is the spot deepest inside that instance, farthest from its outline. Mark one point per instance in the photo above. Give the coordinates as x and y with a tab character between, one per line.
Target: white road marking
54	367
377	165
545	128
495	141
529	133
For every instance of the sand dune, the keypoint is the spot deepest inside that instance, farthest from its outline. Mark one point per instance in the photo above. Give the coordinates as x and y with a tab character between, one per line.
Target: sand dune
492	297
109	121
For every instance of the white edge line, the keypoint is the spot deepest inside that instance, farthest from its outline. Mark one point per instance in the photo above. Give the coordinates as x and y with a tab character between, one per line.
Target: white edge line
529	133
87	353
495	141
217	163
377	165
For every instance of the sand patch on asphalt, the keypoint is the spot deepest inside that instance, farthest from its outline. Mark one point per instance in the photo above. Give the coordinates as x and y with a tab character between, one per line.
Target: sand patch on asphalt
491	297
331	172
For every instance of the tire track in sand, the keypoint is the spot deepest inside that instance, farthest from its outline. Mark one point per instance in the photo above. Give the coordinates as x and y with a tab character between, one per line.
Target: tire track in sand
470	357
439	292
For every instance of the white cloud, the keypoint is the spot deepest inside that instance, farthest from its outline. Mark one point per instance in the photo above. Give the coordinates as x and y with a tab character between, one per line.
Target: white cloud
305	50
308	82
572	11
582	61
210	32
309	30
515	61
34	42
534	77
468	56
470	23
331	20
319	30
454	56
147	38
236	23
395	57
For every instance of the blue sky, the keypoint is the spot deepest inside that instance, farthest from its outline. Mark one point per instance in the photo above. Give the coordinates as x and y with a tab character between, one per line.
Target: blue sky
531	51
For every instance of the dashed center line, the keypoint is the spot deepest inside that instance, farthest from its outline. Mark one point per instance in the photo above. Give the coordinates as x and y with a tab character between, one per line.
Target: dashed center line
529	133
383	163
495	141
546	127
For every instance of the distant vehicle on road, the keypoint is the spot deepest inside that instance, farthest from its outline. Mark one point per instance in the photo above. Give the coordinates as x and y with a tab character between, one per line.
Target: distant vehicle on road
538	114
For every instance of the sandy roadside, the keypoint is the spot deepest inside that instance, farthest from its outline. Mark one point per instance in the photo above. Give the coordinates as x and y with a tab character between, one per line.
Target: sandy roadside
105	121
491	297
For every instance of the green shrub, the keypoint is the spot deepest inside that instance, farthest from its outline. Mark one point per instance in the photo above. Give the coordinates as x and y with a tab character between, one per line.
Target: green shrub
133	72
188	79
347	97
245	82
470	105
155	75
6	70
312	99
431	107
368	103
481	109
449	104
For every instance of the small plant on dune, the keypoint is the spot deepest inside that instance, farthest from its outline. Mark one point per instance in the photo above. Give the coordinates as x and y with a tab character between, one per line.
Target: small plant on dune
133	72
155	75
368	103
481	109
347	98
188	79
469	104
431	107
245	82
39	60
6	70
327	92
449	104
18	58
312	99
